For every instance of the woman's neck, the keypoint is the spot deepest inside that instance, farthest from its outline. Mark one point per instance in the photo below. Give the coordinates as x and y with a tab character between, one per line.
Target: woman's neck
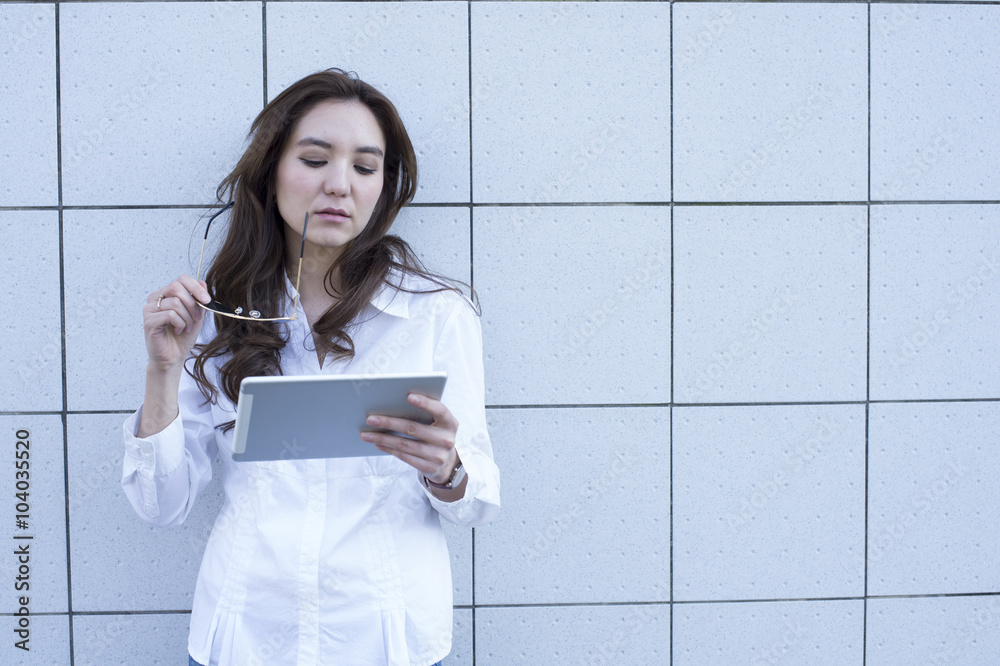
316	263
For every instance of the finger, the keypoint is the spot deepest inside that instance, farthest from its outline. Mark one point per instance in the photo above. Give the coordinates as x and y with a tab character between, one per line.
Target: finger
192	293
181	290
436	457
166	312
428	459
186	289
164	320
421	465
176	305
157	316
196	288
442	415
407	427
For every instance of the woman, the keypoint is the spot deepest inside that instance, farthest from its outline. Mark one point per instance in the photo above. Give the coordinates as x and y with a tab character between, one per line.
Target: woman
337	561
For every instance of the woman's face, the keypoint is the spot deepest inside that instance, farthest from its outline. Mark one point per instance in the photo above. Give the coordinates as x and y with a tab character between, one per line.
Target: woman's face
331	168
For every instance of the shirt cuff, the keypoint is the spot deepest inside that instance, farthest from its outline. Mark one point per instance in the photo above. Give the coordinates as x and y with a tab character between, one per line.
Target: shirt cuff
481	499
158	454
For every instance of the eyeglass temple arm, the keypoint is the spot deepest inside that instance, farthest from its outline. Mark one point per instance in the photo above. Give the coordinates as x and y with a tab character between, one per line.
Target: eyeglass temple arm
298	273
212	219
205	239
302	249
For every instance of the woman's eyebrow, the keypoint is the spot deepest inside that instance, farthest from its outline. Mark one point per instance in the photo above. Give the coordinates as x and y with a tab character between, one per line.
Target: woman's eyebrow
312	141
374	150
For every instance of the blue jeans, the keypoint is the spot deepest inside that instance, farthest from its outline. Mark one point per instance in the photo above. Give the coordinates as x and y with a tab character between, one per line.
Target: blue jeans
192	662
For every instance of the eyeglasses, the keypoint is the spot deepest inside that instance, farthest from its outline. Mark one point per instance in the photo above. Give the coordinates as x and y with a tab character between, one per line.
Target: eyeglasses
237	313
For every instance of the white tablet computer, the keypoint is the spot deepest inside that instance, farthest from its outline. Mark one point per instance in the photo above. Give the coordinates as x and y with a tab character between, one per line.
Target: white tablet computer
322	416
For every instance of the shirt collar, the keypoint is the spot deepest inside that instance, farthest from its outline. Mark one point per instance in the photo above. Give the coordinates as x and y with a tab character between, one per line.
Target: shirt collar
388	298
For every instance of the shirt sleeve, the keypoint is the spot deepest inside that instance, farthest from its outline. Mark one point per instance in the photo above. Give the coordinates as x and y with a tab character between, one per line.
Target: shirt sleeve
163	474
459	352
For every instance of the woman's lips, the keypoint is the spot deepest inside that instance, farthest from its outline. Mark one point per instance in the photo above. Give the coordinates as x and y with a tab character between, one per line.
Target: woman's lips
333	215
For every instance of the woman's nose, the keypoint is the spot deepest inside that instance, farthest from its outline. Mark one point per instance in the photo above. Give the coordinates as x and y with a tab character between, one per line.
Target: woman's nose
337	183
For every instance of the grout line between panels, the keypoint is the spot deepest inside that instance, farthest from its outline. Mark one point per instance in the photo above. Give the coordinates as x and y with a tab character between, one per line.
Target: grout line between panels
701	602
868	338
817	403
670	430
472	288
64	418
556	204
263	50
592	604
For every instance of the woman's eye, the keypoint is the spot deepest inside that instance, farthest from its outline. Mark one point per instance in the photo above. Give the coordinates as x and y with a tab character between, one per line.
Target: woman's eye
313	163
365	170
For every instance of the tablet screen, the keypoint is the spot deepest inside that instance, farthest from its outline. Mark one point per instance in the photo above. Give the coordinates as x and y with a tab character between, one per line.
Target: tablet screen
322	416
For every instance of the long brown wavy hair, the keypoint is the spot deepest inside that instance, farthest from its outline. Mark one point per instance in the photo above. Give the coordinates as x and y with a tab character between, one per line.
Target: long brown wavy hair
250	266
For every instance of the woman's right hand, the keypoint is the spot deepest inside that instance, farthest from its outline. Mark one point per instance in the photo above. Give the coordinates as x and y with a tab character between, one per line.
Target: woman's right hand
172	321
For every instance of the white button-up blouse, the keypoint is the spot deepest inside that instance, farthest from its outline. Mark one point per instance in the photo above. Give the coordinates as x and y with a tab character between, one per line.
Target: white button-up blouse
326	562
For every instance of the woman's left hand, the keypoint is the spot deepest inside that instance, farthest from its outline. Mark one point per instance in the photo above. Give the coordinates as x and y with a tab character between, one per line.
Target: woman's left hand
432	449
